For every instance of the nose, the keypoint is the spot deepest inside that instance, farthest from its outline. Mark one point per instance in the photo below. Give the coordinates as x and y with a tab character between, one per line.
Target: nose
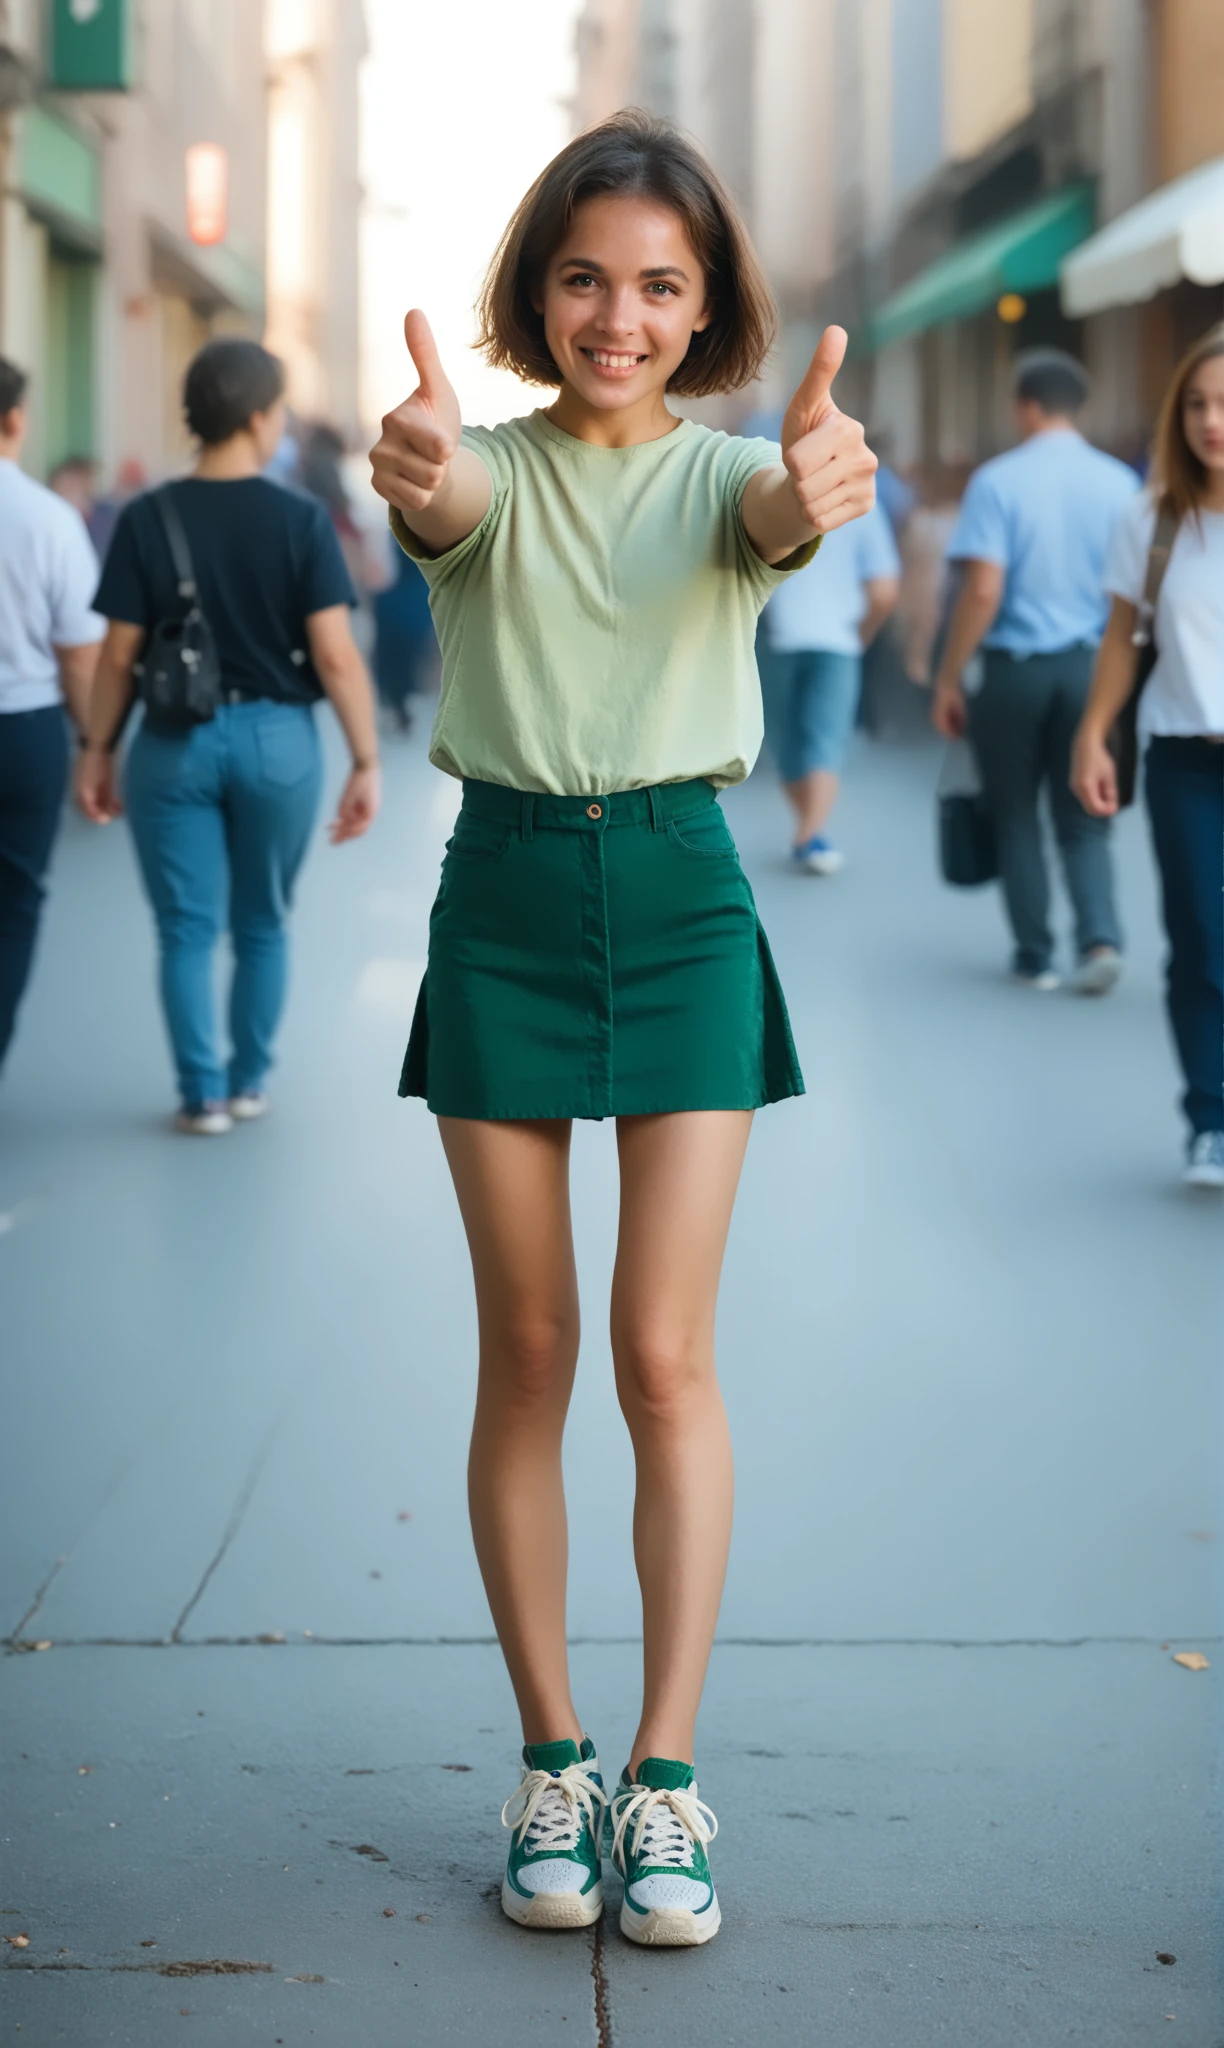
619	315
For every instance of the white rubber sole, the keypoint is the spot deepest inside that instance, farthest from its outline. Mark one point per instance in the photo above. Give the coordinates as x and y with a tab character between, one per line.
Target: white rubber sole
553	1910
245	1109
1095	977
821	864
673	1929
1203	1177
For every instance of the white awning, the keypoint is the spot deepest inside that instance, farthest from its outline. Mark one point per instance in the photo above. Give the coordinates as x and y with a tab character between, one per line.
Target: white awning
1174	233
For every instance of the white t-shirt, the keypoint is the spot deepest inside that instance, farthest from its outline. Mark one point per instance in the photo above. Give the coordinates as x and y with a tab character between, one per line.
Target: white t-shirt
48	576
823	605
1185	692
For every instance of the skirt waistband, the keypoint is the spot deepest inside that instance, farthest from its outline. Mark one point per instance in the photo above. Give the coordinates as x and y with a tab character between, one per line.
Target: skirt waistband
530	811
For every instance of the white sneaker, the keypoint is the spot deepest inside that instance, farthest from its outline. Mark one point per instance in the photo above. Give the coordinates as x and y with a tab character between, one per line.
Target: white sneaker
818	856
553	1876
206	1120
1205	1166
1045	982
1098	972
660	1832
245	1108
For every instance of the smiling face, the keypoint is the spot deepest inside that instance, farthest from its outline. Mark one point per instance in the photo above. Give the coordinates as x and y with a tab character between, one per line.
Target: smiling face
621	299
1203	414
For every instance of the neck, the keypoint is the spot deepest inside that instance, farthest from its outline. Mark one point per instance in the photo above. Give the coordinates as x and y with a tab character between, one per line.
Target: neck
227	460
628	427
1052	423
1212	499
10	448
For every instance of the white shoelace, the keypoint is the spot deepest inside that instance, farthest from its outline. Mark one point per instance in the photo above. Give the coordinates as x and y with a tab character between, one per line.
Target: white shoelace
665	1826
550	1808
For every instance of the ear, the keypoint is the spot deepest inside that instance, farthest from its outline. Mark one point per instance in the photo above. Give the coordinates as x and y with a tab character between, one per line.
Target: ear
703	318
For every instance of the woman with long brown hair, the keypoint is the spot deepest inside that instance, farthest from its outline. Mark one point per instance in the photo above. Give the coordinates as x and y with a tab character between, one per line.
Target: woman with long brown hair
1181	716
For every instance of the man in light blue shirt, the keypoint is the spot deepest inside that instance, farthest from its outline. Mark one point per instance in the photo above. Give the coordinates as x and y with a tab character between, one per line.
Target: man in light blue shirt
814	631
1031	539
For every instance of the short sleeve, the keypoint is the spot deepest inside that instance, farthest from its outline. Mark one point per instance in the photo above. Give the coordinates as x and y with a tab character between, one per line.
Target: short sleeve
1126	560
482	441
74	622
877	549
746	458
981	531
124	590
325	577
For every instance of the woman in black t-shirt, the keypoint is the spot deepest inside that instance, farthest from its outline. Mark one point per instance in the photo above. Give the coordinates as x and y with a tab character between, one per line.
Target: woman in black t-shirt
222	812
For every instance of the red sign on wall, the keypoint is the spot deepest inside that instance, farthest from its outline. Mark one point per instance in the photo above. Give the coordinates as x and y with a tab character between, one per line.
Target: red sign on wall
207	193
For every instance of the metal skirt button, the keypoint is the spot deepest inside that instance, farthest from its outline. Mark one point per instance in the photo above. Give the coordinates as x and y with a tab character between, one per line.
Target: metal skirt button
594	810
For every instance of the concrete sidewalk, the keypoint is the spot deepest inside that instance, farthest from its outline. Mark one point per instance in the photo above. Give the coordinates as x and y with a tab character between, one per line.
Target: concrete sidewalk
972	1336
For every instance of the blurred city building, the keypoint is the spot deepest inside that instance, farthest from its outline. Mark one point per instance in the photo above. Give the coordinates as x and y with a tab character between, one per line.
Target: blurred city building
923	170
314	52
173	169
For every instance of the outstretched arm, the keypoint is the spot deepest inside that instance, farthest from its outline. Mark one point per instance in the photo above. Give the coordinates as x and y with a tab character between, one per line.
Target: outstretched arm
827	474
973	614
1094	775
441	490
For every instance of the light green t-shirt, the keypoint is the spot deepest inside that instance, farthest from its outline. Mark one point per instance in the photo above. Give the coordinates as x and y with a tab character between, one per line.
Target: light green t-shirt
597	628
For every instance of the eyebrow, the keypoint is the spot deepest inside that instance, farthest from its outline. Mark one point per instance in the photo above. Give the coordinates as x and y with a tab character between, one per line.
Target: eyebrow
660	270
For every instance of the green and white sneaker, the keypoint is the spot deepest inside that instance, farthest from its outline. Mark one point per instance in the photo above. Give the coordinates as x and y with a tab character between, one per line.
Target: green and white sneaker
553	1873
659	1833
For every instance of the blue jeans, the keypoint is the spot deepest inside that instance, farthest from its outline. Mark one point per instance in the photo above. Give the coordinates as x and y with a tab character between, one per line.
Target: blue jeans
1184	785
811	695
222	817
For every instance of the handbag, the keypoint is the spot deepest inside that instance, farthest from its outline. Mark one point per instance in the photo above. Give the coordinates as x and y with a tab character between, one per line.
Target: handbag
1124	736
968	851
178	676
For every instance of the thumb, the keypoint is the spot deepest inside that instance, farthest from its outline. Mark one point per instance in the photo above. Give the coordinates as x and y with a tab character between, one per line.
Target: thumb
424	352
815	393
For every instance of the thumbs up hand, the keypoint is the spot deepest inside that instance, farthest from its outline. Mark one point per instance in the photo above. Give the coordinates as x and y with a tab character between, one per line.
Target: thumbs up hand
412	458
831	468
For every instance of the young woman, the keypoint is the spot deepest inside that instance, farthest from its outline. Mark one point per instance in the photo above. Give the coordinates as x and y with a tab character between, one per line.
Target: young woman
222	813
1181	713
596	570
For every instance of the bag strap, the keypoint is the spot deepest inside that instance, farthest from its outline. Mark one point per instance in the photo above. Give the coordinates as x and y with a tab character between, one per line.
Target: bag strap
1157	562
180	553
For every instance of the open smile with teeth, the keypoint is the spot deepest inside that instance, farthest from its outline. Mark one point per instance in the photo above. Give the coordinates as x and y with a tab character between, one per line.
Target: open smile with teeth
604	359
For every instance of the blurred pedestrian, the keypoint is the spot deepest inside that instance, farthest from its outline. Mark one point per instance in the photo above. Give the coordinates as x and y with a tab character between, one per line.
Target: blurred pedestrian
1032	536
929	585
222	809
816	628
405	645
103	516
73	480
49	637
1181	716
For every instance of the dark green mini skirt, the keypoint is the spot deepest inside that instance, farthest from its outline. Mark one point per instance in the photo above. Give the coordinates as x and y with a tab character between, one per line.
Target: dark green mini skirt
593	957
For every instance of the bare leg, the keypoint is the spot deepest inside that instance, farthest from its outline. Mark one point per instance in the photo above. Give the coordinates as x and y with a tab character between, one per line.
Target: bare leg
812	799
679	1175
512	1180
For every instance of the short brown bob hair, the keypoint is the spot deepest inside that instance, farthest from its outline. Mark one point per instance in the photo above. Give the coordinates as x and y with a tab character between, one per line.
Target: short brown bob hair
1179	476
638	155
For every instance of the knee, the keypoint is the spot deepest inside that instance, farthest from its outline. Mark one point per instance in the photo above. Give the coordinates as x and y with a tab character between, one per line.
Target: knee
535	1359
659	1376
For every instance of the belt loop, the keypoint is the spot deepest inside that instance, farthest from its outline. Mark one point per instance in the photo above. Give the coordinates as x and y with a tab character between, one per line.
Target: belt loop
656	809
528	813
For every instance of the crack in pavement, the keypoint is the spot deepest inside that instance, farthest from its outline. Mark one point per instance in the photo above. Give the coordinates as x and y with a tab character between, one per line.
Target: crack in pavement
312	1640
243	1502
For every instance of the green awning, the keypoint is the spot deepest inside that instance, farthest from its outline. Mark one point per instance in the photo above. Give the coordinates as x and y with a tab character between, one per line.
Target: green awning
1020	254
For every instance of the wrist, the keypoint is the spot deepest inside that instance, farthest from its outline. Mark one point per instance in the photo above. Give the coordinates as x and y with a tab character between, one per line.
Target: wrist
364	764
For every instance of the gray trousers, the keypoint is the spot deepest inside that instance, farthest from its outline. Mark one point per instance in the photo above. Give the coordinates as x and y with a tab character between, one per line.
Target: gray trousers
1022	723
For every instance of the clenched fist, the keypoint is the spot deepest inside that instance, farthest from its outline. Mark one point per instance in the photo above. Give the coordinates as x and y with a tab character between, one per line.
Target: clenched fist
419	439
831	468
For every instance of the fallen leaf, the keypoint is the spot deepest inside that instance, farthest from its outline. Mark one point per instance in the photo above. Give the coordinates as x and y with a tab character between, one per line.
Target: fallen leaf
1163	1956
368	1849
1191	1660
404	1515
18	1940
83	1770
422	1917
45	1644
388	1912
456	1767
148	1944
270	1636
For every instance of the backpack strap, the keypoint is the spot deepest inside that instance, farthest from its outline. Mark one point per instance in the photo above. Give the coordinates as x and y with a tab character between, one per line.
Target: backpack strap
1163	537
180	553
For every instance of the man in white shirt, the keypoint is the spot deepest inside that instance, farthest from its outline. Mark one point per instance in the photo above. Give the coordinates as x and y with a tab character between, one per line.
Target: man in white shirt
815	630
49	638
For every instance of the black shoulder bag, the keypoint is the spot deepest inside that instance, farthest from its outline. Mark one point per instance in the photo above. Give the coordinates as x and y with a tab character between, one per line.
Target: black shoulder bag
1124	738
179	673
968	853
